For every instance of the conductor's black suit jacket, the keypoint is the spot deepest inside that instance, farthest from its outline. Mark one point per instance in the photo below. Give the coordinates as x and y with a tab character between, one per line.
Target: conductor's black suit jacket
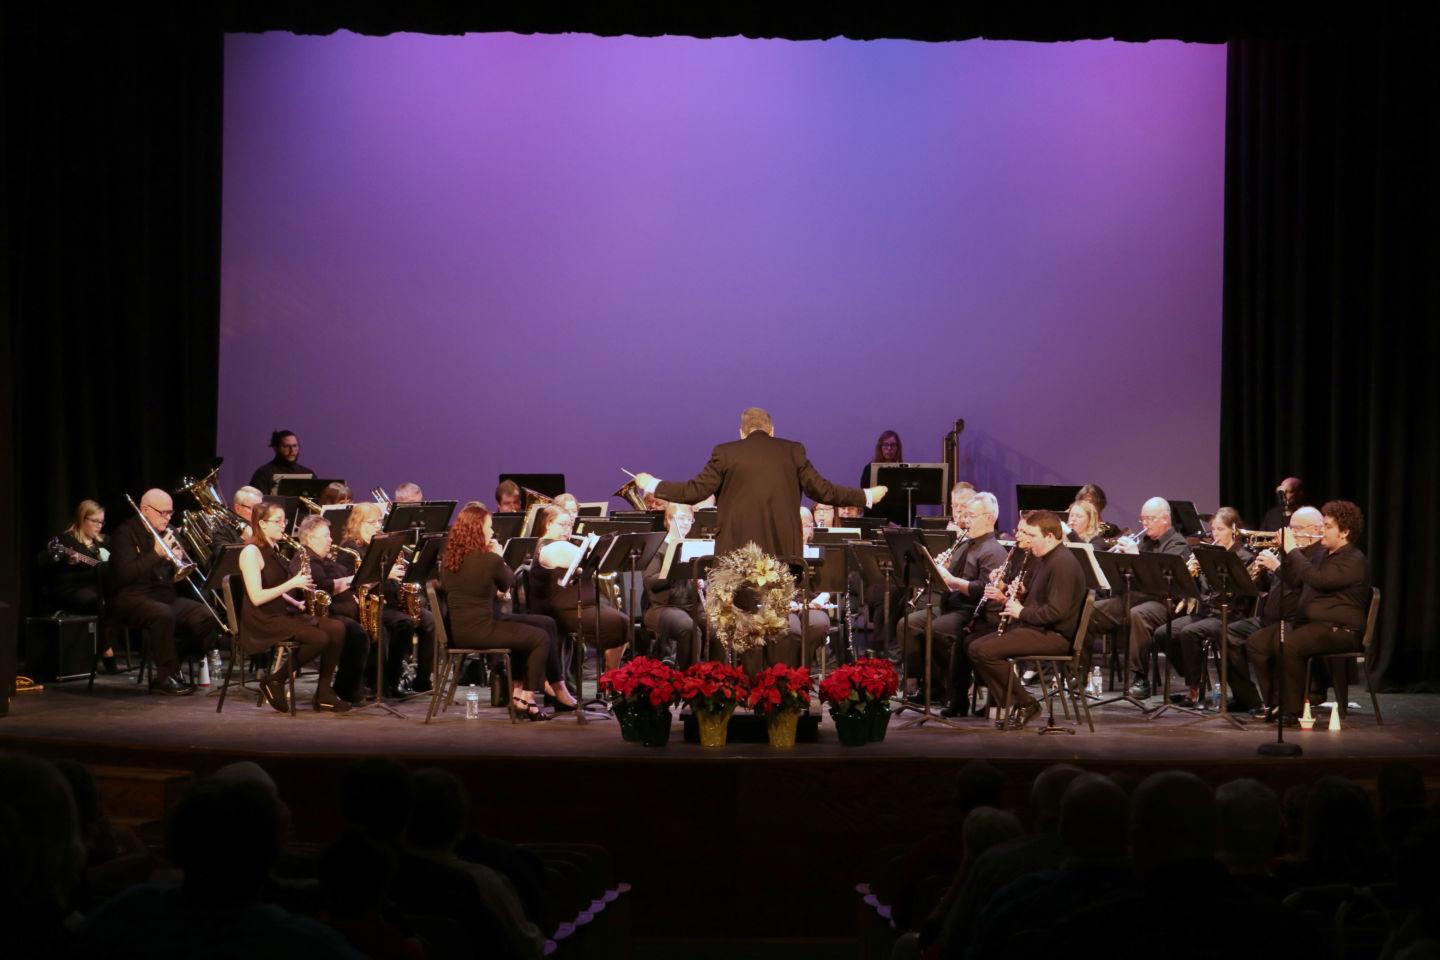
757	484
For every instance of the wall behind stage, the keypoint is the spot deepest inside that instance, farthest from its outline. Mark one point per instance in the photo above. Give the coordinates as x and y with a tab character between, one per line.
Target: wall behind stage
444	257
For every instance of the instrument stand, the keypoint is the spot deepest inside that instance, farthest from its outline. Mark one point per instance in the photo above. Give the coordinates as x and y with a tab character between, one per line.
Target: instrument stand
1220	567
373	570
1120	567
1170	580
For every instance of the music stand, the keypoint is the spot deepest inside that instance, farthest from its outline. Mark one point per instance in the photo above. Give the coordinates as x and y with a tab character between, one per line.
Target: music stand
1185	519
876	568
1046	496
923	483
604	526
374	568
339	515
291	506
826	536
1169	574
277	478
830	573
549	484
1227	575
636	550
655	518
427	516
506	525
932	523
518	550
1123	570
308	486
707	523
587	564
869	527
422	568
909	549
592	509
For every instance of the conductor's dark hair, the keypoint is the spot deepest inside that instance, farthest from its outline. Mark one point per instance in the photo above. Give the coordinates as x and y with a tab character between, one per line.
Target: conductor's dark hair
279	435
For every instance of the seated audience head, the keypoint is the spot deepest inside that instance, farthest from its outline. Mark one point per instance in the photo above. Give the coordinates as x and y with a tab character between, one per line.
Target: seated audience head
41	851
1399	786
978	784
1340	836
89	523
251	821
507	497
286	446
375	797
440	807
336	492
1172	819
366	520
986	827
245	500
409	493
753	419
888	448
1342	524
1251	828
354	874
1048	789
1094	818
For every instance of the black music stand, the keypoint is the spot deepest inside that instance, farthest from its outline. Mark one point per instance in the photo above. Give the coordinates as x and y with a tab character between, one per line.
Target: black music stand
602	526
422	568
1227	576
507	525
1055	497
1124	571
876	568
805	571
291	506
587	565
276	479
1185	518
830	536
707	523
428	516
518	550
635	549
1280	748
374	569
548	484
1179	585
869	527
932	523
907	549
833	577
655	519
310	487
923	483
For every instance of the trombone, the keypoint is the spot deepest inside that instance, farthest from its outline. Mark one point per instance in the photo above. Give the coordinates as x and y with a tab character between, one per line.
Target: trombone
183	566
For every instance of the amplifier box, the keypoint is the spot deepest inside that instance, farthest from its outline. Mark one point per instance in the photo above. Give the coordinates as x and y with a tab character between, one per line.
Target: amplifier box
61	648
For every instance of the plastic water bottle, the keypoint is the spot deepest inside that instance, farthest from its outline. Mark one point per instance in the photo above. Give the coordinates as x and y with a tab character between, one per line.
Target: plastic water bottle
1097	683
1215	696
472	703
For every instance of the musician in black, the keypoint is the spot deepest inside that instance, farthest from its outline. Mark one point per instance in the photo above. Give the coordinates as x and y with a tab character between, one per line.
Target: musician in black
1334	602
888	449
141	586
71	568
399	628
507	497
269	615
332	576
1187	638
1094	494
287	460
672	603
1289	497
574	610
1044	622
1278	601
1146	612
968	571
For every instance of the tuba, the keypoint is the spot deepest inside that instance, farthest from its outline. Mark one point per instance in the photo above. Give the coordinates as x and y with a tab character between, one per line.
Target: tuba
631	494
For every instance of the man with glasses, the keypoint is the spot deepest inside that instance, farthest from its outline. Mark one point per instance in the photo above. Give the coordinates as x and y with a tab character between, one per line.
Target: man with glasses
142	594
1146	612
287	461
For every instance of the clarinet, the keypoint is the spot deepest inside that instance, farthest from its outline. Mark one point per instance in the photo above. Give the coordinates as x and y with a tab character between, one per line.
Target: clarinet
995	576
1017	586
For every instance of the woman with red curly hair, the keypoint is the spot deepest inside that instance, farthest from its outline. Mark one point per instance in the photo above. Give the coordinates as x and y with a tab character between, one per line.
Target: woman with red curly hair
472	572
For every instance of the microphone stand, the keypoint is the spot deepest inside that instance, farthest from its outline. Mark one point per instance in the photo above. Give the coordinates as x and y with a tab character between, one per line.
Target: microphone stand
1280	748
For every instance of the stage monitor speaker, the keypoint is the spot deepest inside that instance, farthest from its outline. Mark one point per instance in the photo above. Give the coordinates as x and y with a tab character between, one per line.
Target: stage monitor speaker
7	658
61	647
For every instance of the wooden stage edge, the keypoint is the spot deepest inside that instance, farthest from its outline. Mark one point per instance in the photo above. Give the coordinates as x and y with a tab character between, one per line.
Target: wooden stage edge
744	842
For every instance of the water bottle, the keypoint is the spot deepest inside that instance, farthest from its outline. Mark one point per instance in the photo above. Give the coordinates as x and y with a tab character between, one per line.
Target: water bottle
472	703
1215	697
1097	682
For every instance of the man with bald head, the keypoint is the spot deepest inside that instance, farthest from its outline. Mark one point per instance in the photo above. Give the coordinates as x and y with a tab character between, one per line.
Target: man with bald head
1146	612
1289	497
142	594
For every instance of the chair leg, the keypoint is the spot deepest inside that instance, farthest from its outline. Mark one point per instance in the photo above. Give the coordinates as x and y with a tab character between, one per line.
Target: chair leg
1077	695
229	669
1370	688
1009	697
442	680
509	689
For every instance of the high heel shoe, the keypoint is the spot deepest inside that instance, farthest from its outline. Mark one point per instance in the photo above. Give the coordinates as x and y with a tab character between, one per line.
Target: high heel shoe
276	693
528	710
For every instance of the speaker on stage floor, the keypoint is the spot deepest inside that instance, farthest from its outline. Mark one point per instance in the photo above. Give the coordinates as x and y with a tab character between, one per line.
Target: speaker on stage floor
61	647
7	658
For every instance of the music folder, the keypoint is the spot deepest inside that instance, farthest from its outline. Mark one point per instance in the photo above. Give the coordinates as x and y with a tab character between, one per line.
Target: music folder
518	550
422	568
379	558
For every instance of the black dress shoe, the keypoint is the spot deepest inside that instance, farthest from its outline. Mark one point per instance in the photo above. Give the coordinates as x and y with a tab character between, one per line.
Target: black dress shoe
1140	689
276	693
108	664
329	704
170	688
1023	715
955	710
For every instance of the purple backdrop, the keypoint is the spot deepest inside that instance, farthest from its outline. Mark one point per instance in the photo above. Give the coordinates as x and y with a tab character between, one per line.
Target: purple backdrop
444	257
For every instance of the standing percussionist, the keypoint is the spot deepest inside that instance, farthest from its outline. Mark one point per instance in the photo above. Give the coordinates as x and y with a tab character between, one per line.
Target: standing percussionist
1146	612
1334	602
142	594
287	460
757	481
1044	623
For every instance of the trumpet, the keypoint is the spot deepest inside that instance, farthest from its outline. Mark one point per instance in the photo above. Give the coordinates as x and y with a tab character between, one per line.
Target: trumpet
1262	539
1132	538
169	548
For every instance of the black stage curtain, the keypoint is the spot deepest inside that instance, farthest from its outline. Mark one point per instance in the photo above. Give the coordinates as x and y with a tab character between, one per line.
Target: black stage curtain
110	249
1331	339
111	238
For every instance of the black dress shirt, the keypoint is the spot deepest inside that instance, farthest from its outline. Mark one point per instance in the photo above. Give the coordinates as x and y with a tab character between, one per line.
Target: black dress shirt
973	561
264	476
1055	592
1335	586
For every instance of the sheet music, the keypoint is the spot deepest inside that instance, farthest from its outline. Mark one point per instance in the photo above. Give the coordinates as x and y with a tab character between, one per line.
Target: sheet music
586	547
1087	557
683	551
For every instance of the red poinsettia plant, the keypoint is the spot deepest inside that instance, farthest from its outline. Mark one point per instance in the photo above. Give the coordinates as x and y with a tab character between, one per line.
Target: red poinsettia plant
858	685
780	687
643	682
713	687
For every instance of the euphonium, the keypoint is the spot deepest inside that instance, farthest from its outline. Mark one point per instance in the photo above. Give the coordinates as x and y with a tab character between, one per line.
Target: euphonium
631	494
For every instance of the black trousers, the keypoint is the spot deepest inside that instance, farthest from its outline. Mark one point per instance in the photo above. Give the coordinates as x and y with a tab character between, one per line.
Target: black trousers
674	626
171	627
1109	617
323	639
614	626
522	639
1302	641
554	668
988	654
943	629
353	650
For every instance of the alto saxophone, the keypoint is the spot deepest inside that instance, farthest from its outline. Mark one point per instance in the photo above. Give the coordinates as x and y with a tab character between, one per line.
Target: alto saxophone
317	602
410	596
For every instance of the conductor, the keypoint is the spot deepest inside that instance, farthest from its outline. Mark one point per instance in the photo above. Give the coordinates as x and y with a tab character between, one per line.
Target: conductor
757	481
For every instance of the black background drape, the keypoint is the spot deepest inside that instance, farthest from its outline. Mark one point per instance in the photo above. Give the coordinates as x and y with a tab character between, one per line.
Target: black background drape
109	256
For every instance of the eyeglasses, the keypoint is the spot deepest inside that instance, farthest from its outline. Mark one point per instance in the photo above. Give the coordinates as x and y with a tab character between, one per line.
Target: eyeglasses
280	520
163	513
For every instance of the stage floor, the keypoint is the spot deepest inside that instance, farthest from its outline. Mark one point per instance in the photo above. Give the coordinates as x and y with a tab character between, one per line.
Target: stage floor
741	844
119	714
